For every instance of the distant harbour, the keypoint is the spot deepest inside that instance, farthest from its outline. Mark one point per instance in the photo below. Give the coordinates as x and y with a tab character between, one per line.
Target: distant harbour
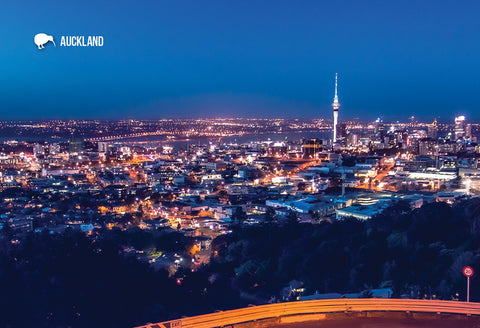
183	143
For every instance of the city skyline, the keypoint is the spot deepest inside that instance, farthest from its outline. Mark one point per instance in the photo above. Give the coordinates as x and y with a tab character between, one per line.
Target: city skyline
189	60
269	163
327	119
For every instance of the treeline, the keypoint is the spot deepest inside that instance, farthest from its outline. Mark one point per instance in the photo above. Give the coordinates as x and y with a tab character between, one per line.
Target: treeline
71	280
418	253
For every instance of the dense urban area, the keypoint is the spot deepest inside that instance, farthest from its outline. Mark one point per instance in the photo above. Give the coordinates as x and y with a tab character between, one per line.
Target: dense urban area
119	223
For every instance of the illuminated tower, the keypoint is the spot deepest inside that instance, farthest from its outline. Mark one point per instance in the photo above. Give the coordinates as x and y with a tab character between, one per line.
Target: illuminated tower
335	106
459	127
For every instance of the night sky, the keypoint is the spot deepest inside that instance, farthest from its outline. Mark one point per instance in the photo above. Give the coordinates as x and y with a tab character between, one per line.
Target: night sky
242	59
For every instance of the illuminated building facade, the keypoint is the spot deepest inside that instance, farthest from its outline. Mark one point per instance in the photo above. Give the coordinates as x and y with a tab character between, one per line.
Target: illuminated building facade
312	147
459	127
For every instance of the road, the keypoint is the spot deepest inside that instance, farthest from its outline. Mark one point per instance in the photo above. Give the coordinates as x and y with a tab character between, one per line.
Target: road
384	323
331	314
381	174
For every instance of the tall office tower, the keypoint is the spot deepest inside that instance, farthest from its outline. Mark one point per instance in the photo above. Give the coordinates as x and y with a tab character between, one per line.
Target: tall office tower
352	139
311	147
433	130
379	127
468	131
459	127
335	106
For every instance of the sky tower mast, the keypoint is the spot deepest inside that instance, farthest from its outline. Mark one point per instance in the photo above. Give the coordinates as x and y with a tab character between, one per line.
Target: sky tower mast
335	106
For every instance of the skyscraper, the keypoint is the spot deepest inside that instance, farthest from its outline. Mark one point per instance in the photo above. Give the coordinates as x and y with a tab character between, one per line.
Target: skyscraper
459	127
335	106
433	130
311	147
468	131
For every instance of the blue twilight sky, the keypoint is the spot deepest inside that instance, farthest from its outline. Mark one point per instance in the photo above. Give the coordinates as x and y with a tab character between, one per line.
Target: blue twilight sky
214	58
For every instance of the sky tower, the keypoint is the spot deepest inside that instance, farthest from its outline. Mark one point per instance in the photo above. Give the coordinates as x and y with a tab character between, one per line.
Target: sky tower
335	106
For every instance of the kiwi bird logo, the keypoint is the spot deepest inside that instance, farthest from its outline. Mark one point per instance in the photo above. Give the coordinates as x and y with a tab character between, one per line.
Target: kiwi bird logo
41	39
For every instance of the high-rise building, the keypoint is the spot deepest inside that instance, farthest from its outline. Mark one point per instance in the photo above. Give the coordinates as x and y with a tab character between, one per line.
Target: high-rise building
426	147
459	127
379	127
335	106
342	130
311	147
102	147
38	149
352	139
468	131
433	130
75	145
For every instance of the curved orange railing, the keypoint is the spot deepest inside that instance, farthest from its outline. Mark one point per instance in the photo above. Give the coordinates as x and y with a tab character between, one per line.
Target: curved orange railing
308	308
